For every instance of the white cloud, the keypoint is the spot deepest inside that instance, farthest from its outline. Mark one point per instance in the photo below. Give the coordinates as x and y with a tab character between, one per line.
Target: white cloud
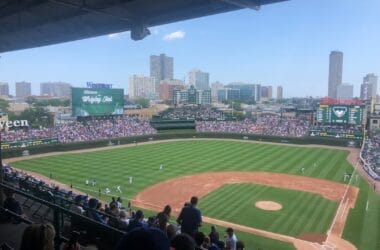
174	35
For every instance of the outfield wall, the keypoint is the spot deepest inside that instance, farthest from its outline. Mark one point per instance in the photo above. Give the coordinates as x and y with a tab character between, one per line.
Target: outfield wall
16	152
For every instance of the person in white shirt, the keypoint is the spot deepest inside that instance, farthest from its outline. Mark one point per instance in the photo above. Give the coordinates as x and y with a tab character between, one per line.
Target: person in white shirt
231	239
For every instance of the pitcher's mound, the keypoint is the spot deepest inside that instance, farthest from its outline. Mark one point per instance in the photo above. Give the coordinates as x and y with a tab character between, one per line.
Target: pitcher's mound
268	205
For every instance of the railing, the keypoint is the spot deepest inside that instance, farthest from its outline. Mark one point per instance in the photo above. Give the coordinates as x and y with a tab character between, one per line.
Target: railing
109	235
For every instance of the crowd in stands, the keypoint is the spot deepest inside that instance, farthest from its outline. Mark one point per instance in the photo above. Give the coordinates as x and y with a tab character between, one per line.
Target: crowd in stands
264	125
159	231
84	131
370	154
193	113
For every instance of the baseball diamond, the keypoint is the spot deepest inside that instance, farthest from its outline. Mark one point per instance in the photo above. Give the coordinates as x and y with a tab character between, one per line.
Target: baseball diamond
230	176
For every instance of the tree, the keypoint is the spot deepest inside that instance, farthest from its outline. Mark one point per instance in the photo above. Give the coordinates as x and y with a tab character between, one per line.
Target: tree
144	103
4	105
37	117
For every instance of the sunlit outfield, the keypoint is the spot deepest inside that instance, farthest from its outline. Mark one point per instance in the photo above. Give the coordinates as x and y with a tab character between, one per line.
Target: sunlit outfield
112	168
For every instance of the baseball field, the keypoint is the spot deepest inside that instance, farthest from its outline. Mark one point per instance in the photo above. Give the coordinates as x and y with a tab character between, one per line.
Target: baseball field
231	178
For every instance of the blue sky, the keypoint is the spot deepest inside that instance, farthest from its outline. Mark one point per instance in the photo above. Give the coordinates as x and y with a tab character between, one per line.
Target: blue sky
284	44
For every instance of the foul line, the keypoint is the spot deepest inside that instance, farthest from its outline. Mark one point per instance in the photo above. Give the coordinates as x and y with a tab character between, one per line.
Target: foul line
341	202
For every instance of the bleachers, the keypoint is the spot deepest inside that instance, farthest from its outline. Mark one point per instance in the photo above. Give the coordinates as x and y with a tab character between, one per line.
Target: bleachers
42	203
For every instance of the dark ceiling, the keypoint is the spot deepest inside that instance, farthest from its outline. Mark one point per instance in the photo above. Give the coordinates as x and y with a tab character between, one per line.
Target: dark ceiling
33	23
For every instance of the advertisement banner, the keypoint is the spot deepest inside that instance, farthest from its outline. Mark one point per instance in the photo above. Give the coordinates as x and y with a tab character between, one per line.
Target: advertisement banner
28	143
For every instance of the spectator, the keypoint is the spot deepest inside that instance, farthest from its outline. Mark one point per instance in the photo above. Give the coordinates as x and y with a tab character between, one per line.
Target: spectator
264	125
190	218
231	239
199	239
124	221
137	221
92	213
163	217
38	237
214	235
208	245
119	202
113	220
144	239
12	205
171	231
77	206
86	131
240	245
182	242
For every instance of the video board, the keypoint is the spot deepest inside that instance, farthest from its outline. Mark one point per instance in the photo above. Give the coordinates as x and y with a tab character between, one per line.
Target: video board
340	114
96	102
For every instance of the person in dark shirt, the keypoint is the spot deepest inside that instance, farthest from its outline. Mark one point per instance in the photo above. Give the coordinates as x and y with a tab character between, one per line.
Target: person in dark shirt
214	235
12	205
136	221
163	217
190	218
91	211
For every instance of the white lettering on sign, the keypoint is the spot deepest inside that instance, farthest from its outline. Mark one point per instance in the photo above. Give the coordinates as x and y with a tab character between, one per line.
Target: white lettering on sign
11	124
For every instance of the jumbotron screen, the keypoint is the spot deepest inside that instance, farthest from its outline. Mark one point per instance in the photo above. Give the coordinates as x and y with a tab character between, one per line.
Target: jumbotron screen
340	114
95	102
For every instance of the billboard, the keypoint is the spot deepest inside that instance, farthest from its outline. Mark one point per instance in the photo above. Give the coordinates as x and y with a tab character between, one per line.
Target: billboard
95	102
340	114
28	143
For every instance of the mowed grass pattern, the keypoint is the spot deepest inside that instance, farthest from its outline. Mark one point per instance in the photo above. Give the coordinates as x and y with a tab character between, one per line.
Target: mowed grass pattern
113	167
301	212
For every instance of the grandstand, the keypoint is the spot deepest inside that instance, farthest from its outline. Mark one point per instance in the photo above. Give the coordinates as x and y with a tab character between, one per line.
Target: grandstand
283	177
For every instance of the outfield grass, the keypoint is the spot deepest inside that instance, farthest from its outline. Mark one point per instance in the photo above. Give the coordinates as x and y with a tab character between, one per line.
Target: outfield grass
113	167
301	212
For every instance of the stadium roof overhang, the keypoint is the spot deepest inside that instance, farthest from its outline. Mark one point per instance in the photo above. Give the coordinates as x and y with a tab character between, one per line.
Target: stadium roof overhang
33	23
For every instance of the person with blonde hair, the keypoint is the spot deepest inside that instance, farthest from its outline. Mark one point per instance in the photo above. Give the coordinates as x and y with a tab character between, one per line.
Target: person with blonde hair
38	237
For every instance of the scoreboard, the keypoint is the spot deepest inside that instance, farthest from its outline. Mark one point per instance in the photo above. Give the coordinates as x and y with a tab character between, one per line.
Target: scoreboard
340	114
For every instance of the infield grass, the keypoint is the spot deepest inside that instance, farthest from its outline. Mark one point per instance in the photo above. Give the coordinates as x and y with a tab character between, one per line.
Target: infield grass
301	212
112	168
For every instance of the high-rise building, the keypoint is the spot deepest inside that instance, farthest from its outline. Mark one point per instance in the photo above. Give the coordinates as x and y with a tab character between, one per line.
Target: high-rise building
368	89
214	90
4	89
345	91
279	92
365	91
23	89
55	89
228	94
266	92
247	92
335	72
199	79
161	67
142	87
192	96
166	88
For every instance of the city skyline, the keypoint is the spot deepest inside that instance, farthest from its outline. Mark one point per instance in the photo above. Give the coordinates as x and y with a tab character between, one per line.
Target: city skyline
282	44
